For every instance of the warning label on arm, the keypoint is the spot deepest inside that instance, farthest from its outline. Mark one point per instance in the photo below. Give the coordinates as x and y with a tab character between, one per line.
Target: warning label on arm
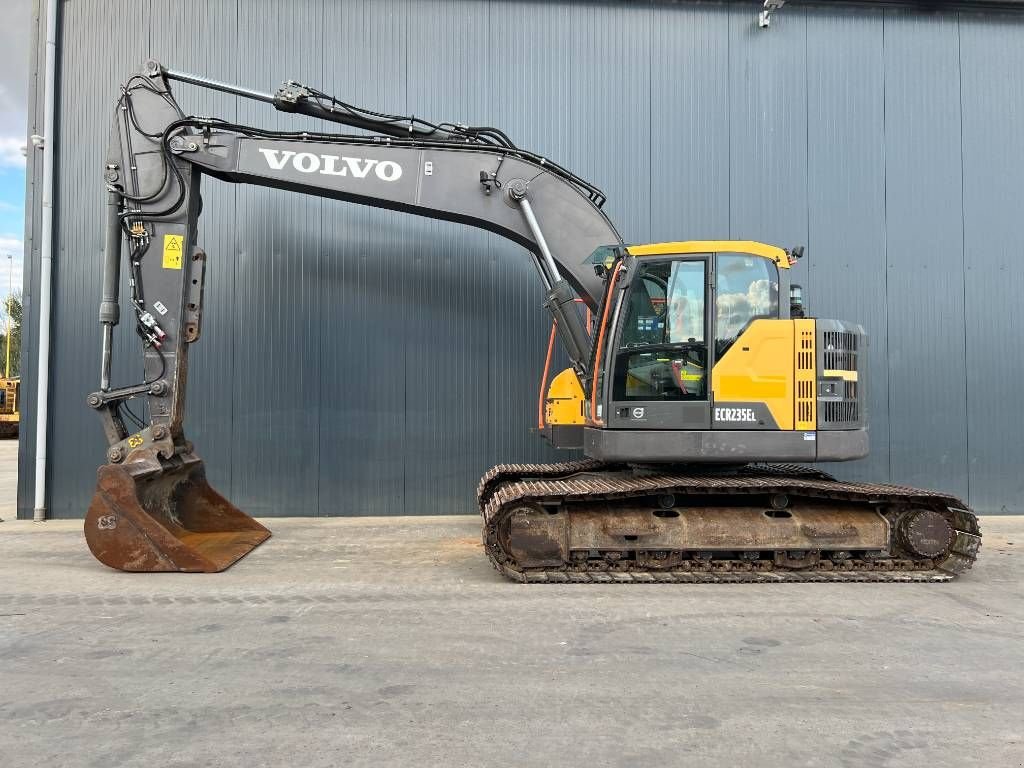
172	251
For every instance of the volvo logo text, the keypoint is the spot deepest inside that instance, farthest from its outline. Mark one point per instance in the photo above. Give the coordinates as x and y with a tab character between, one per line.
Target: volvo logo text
332	165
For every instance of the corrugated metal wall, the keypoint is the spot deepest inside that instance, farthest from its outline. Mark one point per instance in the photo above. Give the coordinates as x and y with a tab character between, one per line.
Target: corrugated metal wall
357	361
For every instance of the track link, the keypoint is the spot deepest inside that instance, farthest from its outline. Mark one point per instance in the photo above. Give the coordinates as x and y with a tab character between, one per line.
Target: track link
508	487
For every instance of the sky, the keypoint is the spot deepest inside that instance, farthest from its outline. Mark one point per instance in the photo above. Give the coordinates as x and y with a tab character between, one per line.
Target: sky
14	53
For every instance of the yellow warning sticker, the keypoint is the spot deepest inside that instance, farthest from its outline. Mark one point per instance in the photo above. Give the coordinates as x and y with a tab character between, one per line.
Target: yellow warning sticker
172	251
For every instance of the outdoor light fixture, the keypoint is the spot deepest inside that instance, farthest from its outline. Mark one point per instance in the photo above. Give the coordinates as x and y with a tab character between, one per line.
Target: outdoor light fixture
764	20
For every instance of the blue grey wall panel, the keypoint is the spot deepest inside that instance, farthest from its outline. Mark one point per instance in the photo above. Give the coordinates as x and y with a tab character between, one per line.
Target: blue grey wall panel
367	283
767	93
992	59
846	263
30	286
278	339
86	107
924	243
357	361
446	435
689	144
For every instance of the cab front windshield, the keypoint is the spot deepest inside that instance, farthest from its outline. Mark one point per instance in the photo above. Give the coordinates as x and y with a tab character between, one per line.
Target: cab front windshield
666	305
663	347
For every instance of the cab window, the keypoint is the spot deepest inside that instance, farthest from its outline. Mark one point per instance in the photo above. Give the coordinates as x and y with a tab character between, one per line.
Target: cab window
662	352
747	289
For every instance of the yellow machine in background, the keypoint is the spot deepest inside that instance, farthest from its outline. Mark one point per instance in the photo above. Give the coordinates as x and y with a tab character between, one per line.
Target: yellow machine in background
10	387
9	413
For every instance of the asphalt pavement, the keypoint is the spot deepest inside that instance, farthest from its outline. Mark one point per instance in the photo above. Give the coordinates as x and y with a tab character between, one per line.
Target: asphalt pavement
359	642
8	479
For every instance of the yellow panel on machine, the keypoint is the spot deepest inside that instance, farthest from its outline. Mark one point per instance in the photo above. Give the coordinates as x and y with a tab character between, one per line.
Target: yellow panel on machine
773	363
758	368
564	403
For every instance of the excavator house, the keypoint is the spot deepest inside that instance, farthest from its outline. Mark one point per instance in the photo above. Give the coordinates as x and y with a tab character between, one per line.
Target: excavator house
697	389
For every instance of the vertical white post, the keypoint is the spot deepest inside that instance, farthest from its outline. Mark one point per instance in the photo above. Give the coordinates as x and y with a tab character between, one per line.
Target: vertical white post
45	261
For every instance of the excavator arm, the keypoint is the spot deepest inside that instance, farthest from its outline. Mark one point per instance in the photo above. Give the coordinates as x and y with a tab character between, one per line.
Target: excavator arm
153	509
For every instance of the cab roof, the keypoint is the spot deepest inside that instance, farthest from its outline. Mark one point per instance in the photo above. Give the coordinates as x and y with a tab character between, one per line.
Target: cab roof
752	247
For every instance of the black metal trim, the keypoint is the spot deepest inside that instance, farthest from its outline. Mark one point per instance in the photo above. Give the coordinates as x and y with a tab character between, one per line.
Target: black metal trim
924	6
723	446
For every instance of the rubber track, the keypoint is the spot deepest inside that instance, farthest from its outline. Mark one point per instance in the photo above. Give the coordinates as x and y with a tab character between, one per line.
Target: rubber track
508	486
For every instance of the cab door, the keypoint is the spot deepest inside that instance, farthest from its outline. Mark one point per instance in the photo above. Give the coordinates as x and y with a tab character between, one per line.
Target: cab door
752	350
660	368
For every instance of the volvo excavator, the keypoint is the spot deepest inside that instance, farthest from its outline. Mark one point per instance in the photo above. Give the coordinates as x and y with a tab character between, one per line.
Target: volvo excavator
698	394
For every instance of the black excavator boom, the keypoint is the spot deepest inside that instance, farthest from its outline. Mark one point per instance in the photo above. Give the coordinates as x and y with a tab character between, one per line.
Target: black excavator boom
153	508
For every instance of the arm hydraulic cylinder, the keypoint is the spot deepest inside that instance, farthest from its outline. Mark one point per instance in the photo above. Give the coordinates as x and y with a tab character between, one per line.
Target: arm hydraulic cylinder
560	300
110	310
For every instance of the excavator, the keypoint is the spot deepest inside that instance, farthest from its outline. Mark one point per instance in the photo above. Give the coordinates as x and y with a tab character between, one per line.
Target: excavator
698	392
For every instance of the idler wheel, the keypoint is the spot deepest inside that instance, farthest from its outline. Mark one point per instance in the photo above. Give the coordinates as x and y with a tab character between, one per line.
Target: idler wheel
926	533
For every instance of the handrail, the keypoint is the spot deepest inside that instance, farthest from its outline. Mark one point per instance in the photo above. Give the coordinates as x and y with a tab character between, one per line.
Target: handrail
594	418
544	376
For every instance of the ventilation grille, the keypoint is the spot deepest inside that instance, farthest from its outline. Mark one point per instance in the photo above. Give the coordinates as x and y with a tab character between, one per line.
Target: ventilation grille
806	401
838	412
840	351
839	406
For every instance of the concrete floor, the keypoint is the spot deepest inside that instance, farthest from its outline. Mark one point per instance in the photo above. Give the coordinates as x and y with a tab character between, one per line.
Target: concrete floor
364	642
8	479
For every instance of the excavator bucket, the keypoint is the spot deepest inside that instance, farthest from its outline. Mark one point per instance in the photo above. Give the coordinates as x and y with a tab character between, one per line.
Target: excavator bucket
170	520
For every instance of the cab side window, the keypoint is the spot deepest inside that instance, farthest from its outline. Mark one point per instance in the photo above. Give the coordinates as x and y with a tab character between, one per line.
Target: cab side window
686	285
747	289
